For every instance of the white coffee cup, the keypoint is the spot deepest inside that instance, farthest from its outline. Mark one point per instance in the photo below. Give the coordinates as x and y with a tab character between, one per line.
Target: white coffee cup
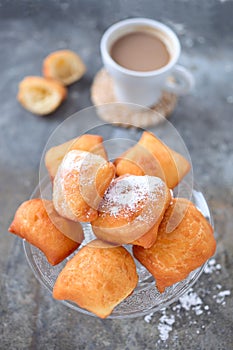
145	88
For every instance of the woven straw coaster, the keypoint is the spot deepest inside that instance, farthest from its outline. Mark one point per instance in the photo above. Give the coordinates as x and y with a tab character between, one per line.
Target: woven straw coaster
102	95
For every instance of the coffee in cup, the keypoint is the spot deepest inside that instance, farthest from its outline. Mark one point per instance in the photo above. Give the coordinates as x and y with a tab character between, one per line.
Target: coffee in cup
141	56
140	51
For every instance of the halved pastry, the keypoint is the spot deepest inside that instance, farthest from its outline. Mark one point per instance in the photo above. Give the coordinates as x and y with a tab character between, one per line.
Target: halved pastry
131	210
87	142
175	254
40	95
80	183
97	278
151	156
64	65
38	223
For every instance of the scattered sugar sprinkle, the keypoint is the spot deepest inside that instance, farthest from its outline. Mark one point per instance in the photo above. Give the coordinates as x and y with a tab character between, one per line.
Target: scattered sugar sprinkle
148	318
191	300
220	297
190	303
165	326
211	266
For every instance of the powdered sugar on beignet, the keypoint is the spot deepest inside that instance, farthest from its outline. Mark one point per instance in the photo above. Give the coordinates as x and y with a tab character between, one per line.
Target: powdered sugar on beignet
87	142
80	183
132	207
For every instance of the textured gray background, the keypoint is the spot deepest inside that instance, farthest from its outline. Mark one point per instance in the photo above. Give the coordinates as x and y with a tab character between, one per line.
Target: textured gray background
29	30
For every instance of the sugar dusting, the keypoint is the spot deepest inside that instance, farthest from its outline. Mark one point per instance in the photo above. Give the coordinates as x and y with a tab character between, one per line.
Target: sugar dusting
130	193
191	300
148	318
81	161
125	195
76	176
165	325
220	297
191	306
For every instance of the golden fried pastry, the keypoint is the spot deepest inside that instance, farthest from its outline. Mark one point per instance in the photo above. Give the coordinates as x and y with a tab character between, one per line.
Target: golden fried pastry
151	156
132	210
41	96
97	278
80	183
89	143
37	221
64	65
175	254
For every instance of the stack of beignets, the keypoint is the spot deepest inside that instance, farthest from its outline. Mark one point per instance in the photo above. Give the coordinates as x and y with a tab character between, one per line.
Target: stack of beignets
170	237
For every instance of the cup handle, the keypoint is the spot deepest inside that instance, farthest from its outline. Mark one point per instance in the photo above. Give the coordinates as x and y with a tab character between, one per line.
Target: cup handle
183	83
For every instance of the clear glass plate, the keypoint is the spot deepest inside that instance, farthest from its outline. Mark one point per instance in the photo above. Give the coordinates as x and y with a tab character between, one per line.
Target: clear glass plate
145	298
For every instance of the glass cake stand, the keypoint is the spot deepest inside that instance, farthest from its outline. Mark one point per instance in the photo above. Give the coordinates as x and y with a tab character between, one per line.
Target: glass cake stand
145	298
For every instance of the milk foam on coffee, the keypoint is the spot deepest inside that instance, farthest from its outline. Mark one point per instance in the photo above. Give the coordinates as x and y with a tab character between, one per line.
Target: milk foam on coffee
140	51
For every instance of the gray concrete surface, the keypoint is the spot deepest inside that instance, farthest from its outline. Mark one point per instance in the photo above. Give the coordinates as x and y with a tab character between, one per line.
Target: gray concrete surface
29	30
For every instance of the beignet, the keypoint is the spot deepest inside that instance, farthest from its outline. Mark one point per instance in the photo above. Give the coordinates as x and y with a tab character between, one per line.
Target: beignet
132	210
80	183
35	221
40	95
97	278
150	156
175	254
65	66
89	143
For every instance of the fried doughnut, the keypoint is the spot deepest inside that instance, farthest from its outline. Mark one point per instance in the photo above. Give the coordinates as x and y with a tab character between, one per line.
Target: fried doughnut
151	156
80	183
86	142
38	223
97	278
175	254
65	66
131	210
41	96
